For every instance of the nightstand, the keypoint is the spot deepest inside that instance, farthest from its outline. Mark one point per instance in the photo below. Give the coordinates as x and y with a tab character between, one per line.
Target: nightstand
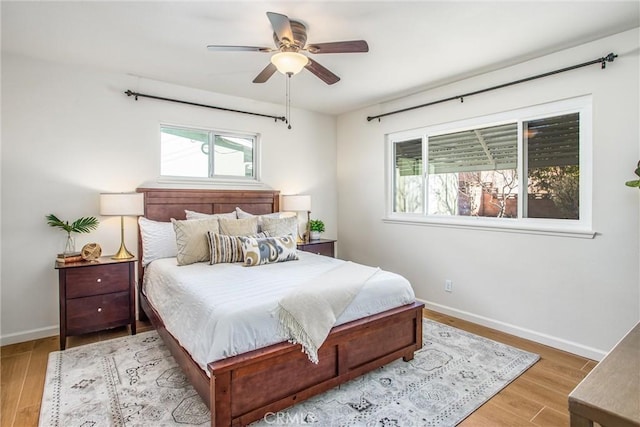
320	247
95	296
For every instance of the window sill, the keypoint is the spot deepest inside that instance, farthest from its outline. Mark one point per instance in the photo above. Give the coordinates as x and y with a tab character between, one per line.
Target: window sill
178	182
488	224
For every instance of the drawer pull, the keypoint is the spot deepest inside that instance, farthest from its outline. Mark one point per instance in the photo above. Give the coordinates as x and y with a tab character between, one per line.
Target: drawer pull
99	309
99	280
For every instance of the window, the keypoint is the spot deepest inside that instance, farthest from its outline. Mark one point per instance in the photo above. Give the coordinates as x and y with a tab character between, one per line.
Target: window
518	168
201	153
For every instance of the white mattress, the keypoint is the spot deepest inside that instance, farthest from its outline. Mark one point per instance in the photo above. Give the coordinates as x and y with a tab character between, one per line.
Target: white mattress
221	310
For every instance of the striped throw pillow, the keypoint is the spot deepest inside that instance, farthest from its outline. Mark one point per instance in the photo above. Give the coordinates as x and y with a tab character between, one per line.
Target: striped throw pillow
224	248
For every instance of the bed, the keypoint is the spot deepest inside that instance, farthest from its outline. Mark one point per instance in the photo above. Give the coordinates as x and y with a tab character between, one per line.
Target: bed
247	386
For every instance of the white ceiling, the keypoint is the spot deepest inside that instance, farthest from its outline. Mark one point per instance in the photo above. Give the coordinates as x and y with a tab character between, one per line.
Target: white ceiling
413	45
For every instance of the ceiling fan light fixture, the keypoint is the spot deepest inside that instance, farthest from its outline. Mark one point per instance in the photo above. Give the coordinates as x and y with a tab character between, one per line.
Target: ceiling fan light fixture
289	62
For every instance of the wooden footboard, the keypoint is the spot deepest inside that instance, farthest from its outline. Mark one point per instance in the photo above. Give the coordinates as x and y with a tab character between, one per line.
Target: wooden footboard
245	388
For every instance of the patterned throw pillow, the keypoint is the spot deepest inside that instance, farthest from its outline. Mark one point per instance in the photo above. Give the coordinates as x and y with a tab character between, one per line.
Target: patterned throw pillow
268	250
278	227
224	248
238	227
191	239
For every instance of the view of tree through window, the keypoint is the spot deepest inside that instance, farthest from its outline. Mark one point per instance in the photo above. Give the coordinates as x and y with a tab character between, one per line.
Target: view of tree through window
476	172
553	150
408	176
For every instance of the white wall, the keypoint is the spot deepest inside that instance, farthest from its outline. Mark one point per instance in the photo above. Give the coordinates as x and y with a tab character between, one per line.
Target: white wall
69	134
581	295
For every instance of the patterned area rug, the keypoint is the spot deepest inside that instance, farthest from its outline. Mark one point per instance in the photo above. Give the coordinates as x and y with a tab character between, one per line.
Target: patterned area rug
134	381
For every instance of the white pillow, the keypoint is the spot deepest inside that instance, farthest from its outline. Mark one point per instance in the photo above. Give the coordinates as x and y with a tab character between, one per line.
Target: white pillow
200	215
158	240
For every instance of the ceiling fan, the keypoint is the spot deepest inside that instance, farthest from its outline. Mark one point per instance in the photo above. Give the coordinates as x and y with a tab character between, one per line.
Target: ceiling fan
290	38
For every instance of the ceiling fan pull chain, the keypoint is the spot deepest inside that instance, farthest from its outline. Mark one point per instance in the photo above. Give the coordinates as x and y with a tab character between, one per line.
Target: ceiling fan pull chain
288	100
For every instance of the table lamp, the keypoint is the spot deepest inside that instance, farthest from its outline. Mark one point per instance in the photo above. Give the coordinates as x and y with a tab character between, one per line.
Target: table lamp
298	203
129	204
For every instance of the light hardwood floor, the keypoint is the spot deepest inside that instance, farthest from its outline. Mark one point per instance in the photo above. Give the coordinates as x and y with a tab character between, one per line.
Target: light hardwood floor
536	398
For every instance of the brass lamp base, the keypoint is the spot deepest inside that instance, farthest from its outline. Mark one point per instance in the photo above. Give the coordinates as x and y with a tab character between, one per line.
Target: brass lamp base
122	253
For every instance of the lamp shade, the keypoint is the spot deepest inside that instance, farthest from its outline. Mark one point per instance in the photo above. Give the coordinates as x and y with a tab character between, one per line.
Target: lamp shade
289	62
293	203
130	204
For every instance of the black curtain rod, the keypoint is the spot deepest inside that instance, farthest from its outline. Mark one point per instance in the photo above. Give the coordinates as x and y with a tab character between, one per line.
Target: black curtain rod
136	95
602	61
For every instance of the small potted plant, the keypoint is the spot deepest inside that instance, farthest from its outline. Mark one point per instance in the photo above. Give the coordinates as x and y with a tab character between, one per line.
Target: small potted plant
316	227
80	225
635	182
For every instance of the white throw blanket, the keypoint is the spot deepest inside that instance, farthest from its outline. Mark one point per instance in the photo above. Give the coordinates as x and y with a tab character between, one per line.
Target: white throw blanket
307	314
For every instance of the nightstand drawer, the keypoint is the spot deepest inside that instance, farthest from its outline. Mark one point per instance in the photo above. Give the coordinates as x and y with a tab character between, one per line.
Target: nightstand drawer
319	247
98	279
97	312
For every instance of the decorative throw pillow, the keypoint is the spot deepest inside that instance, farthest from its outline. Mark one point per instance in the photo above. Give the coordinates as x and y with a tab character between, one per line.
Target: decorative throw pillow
158	240
200	215
268	250
191	239
224	248
277	227
242	214
238	227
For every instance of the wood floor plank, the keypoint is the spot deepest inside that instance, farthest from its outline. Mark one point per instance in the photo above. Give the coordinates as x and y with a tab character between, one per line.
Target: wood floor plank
13	371
28	416
589	366
547	377
34	380
492	415
572	374
517	404
550	417
529	389
13	349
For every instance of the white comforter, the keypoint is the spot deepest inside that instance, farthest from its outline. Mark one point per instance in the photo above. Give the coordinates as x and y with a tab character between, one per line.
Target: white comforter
221	310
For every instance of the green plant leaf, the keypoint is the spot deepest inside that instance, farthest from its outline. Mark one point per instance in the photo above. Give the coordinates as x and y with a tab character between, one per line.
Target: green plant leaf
81	225
316	225
84	224
635	183
53	221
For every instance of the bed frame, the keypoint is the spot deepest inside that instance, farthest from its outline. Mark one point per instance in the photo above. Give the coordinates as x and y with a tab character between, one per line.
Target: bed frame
249	386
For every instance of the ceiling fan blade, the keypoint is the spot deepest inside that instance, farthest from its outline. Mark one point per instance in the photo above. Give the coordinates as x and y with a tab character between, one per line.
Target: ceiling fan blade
226	48
265	74
321	72
350	46
281	26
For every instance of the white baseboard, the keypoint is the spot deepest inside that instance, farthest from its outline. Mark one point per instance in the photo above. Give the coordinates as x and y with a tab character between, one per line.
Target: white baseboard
555	342
33	334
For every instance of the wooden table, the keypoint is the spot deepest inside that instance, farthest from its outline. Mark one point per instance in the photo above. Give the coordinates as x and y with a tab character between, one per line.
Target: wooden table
610	394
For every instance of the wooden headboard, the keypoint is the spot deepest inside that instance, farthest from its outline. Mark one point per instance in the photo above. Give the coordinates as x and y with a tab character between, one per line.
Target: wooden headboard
162	204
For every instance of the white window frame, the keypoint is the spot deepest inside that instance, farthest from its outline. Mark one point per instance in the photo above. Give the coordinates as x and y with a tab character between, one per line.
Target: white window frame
217	180
581	227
